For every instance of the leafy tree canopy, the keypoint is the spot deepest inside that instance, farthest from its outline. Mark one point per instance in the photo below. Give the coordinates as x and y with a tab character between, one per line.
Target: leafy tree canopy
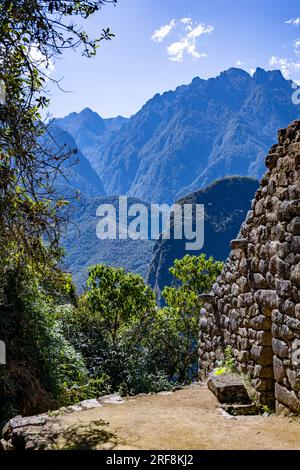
119	298
33	33
193	275
178	323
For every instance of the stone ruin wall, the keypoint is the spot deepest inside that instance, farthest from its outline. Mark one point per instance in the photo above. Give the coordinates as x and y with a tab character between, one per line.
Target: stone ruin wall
255	304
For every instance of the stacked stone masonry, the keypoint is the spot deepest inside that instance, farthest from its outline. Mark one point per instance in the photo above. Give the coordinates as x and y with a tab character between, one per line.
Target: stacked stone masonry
255	304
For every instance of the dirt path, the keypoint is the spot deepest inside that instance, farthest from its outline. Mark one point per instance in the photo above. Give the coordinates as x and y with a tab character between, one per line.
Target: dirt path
186	419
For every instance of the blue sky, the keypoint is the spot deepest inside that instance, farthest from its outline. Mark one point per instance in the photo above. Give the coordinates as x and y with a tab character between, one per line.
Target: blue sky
161	44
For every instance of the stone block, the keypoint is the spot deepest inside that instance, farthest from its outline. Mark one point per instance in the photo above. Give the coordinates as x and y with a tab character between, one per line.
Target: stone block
294	379
90	404
260	322
235	289
285	333
264	338
257	281
280	348
242	357
271	160
248	299
207	298
277	317
295	245
267	298
279	370
283	288
113	399
239	244
289	307
292	323
243	284
282	209
295	275
294	226
287	398
228	388
21	422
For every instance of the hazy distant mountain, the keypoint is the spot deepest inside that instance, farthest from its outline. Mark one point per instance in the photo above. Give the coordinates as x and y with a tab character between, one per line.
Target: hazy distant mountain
84	249
185	139
77	172
87	128
226	204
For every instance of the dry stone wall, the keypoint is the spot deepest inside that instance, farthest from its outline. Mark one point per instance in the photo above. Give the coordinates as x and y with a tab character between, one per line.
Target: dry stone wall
255	304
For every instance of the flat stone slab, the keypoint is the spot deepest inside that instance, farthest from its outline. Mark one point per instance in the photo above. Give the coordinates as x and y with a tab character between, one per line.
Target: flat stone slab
90	404
74	408
113	399
21	422
228	388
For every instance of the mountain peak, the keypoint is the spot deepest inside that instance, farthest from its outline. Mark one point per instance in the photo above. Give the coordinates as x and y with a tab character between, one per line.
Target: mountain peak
234	76
88	112
197	81
182	140
87	118
262	76
236	72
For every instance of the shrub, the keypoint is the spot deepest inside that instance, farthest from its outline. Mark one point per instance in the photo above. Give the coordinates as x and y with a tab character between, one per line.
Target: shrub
179	322
122	334
40	362
92	388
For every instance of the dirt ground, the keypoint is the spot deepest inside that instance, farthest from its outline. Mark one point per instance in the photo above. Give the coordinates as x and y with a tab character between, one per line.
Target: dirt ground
186	419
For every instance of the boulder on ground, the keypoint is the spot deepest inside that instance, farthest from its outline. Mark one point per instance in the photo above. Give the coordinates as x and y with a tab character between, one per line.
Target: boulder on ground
228	388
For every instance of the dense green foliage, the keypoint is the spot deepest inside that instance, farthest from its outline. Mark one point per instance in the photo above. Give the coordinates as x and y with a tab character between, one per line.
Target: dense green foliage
110	328
119	298
123	336
193	275
41	364
32	34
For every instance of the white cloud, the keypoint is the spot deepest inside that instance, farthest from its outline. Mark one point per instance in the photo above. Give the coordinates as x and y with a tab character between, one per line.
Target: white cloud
252	71
294	21
199	30
161	33
194	53
239	63
177	49
188	32
186	20
286	66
